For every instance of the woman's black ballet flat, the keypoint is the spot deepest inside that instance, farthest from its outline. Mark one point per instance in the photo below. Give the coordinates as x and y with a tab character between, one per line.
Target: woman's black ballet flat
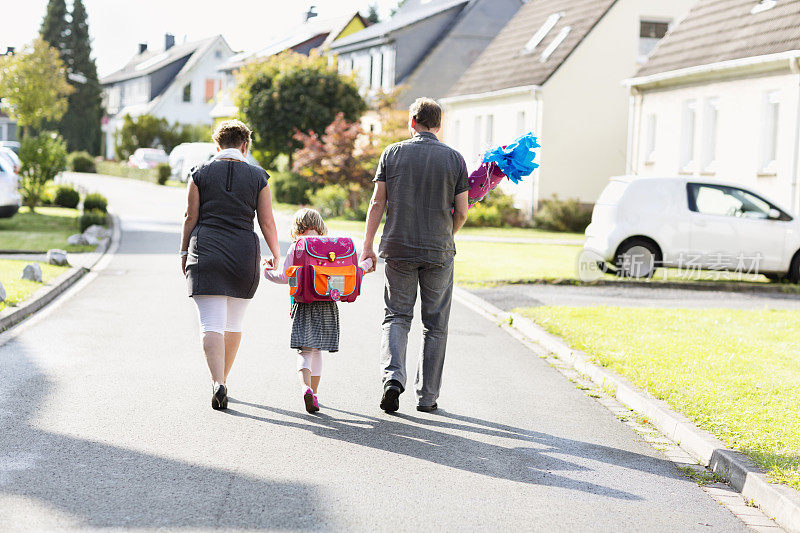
219	399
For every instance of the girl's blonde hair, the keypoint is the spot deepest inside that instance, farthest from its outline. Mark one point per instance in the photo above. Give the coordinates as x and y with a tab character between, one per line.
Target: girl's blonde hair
307	219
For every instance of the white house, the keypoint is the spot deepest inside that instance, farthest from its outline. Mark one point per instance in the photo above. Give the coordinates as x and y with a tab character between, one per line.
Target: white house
424	48
720	98
178	83
557	69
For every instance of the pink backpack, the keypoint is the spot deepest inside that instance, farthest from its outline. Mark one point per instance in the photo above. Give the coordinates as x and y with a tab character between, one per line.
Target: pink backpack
325	269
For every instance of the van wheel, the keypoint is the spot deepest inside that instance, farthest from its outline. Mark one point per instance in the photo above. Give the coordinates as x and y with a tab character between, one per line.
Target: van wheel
637	258
794	269
775	278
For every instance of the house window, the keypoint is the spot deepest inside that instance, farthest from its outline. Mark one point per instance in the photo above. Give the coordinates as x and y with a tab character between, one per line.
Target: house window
650	148
371	70
489	131
710	119
763	5
521	122
212	89
769	135
476	137
187	92
382	69
554	44
539	36
650	33
217	54
687	133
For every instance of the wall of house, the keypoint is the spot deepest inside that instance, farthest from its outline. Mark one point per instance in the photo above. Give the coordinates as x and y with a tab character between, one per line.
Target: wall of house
473	126
198	110
413	42
441	68
737	149
585	111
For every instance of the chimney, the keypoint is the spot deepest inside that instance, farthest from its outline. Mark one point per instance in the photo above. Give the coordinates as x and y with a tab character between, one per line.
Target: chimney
311	13
169	41
10	51
142	48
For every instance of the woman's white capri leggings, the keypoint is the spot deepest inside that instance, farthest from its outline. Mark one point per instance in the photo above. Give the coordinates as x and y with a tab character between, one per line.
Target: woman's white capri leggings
220	313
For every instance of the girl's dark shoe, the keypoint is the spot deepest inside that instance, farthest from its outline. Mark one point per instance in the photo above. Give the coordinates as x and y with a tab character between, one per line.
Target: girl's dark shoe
219	398
312	406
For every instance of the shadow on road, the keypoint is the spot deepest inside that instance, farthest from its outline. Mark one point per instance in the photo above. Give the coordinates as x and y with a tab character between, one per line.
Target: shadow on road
526	464
101	485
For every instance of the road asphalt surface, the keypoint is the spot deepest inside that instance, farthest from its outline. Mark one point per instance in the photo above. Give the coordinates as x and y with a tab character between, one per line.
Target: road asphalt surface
107	420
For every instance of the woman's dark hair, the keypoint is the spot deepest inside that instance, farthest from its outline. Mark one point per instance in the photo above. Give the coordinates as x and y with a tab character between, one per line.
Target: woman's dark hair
231	134
426	112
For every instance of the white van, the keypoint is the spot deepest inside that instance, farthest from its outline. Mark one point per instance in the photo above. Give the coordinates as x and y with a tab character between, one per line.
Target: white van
639	224
184	157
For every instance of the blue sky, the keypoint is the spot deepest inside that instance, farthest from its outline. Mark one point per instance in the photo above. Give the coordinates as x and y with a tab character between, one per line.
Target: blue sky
117	26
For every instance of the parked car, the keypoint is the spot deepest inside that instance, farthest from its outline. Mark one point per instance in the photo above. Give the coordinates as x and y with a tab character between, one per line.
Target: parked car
184	157
147	157
10	199
14	145
640	224
12	156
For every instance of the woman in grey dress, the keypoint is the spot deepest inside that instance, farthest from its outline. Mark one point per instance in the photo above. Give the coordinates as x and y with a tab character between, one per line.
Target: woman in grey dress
220	253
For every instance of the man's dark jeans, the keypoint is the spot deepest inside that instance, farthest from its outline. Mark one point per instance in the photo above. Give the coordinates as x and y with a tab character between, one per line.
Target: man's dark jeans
436	294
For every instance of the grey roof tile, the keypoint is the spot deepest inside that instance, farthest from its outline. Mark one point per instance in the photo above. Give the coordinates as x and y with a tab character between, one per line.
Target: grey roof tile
721	30
504	64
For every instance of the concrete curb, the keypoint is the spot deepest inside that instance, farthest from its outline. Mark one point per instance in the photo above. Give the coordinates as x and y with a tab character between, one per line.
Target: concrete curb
778	501
14	315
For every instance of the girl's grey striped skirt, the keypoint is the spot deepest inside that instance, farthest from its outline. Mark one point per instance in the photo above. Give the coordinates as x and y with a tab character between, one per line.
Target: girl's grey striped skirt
316	325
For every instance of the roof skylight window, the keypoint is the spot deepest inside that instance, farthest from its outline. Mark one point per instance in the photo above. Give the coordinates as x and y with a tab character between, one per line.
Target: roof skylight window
539	36
554	44
152	61
763	5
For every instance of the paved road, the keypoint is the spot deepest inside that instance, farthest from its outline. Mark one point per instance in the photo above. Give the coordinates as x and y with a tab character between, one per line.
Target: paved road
107	424
510	297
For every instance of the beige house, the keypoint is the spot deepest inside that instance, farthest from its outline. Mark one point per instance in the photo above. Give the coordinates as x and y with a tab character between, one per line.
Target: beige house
720	98
557	69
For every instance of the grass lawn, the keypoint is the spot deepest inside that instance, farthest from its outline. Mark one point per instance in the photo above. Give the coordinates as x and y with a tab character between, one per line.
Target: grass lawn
733	372
47	228
18	289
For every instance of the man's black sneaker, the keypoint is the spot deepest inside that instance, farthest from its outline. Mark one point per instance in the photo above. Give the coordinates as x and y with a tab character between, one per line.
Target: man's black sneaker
427	408
390	402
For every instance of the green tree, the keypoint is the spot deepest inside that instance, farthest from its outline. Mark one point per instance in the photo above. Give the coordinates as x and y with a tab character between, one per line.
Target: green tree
372	15
43	157
80	126
34	86
55	28
291	92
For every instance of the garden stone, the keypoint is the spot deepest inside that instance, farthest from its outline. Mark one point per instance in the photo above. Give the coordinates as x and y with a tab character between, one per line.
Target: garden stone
97	231
77	240
2	293
91	239
57	257
32	272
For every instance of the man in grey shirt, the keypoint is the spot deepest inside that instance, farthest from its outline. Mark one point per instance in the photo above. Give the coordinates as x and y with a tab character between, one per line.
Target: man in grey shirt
422	185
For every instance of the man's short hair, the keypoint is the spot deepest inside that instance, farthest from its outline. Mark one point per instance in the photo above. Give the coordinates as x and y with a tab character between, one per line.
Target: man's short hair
231	134
426	112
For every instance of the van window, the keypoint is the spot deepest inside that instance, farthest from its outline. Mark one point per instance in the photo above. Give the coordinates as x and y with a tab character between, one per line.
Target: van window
726	201
612	193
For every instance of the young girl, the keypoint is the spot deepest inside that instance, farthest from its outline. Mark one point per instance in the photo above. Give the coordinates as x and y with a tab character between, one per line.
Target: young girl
315	325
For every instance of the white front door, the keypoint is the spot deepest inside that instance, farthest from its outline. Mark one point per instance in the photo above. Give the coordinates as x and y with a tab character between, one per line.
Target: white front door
731	230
